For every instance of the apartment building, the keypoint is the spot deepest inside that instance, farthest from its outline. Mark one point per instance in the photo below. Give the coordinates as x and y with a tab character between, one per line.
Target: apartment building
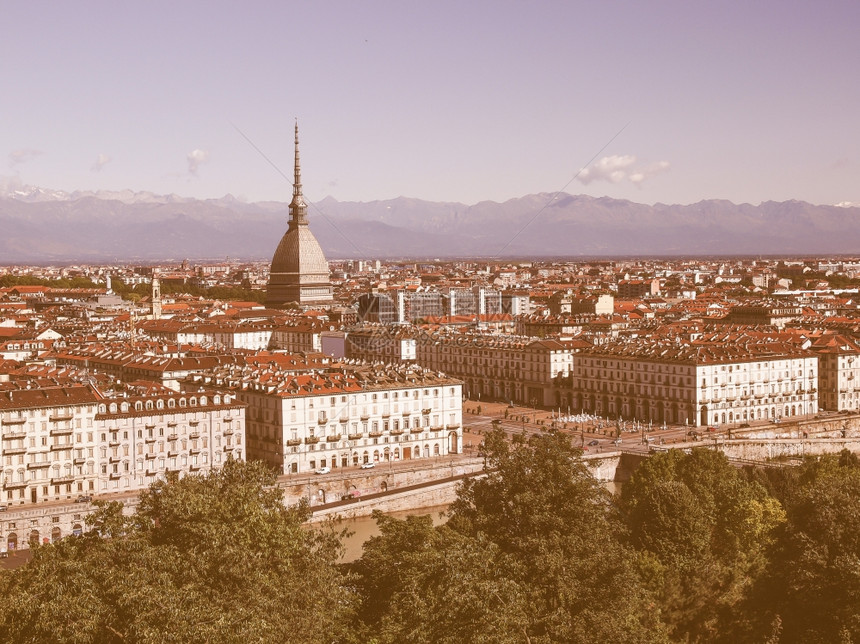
839	372
493	367
733	381
345	417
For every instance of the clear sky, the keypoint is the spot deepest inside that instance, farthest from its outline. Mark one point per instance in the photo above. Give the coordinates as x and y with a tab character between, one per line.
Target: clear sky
465	100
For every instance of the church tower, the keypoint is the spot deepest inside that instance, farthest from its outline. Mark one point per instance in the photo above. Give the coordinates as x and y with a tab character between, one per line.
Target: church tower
299	272
156	298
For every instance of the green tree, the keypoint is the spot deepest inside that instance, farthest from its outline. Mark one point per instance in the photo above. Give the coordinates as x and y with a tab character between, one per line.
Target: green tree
424	584
706	528
532	552
205	558
813	583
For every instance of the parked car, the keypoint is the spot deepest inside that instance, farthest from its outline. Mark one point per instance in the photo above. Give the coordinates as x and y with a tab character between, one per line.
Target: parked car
83	498
594	442
368	465
324	470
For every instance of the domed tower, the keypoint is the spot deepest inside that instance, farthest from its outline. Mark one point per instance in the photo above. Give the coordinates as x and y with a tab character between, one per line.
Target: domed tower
299	272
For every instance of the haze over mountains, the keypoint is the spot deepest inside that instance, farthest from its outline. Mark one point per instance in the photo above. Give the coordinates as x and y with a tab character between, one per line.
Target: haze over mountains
38	226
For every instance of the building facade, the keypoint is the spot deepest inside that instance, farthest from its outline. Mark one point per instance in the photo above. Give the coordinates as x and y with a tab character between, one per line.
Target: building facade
347	417
696	384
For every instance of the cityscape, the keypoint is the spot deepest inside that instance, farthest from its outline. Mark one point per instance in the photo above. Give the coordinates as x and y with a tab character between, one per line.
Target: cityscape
367	385
432	324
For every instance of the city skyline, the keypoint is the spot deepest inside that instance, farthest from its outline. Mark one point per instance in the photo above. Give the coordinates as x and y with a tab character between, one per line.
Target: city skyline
662	101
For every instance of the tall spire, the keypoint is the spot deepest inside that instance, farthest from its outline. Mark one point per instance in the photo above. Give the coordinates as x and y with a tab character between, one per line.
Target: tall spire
298	207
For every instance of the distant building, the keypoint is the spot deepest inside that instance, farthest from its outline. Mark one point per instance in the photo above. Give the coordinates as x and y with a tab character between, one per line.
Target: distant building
637	289
300	273
377	307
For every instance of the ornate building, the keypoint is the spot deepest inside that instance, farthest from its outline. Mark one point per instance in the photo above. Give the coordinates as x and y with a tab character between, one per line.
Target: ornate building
300	273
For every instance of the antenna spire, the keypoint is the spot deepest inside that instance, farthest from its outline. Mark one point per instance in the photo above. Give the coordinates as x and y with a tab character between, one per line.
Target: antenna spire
298	207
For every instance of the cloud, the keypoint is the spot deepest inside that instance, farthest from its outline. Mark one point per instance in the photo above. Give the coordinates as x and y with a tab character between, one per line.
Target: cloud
17	157
195	159
612	169
617	168
638	176
101	162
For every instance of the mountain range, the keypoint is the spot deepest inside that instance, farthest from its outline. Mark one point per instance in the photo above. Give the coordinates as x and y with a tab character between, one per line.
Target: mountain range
43	226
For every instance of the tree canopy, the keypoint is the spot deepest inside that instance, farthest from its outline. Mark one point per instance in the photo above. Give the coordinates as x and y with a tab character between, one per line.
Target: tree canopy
535	551
205	558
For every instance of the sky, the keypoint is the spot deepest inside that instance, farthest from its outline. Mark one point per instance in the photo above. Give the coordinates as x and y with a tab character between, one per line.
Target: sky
651	101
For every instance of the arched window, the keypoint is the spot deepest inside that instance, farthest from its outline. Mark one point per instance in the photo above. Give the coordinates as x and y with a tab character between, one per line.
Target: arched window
159	404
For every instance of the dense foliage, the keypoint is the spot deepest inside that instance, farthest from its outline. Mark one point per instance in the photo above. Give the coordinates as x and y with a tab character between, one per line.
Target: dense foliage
536	551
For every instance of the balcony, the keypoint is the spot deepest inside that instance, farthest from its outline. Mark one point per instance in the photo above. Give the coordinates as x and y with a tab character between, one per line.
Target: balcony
59	431
172	437
62	480
10	436
14	421
292	442
113	476
417	430
38	466
375	434
14	485
58	447
355	437
113	443
396	432
333	438
58	418
194	435
322	421
79	461
312	440
365	417
228	431
172	453
149	457
171	423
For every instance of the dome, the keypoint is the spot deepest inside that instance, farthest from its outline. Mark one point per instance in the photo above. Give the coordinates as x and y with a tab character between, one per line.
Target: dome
299	272
300	253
